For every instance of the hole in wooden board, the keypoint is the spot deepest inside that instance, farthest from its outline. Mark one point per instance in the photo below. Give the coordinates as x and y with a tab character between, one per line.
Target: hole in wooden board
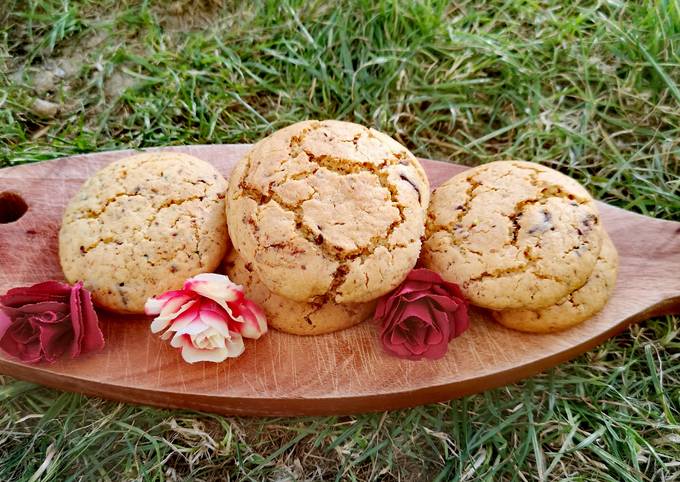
12	207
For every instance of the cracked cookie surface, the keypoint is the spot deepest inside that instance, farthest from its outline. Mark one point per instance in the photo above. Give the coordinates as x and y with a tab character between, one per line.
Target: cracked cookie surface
512	234
328	210
580	305
141	226
295	317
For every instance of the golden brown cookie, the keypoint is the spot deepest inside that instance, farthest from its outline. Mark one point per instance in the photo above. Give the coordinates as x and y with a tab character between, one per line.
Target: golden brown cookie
141	226
580	305
513	234
328	210
295	317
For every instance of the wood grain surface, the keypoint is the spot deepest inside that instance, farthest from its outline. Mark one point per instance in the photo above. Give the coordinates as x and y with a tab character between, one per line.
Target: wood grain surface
341	373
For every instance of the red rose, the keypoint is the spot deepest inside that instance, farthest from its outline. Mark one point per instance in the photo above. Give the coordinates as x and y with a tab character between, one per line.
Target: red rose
421	316
42	322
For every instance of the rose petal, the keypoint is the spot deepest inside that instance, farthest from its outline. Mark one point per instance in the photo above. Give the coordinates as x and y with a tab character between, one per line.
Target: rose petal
397	336
154	305
461	321
455	290
39	308
54	340
169	301
386	306
233	348
405	337
184	318
47	291
439	334
92	339
216	340
160	323
234	345
425	275
440	290
400	351
5	322
445	303
254	321
76	320
411	286
380	309
437	351
179	340
29	353
419	311
392	318
194	327
174	306
48	318
418	333
23	332
193	355
208	304
413	296
217	287
441	328
218	320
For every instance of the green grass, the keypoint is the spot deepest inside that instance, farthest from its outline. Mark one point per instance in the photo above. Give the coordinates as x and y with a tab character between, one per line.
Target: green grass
591	88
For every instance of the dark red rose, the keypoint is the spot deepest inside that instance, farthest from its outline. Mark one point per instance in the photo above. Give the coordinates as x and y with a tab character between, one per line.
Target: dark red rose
421	316
43	321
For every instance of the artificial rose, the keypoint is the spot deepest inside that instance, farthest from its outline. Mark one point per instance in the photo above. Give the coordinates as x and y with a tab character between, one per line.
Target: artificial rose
43	321
421	316
207	319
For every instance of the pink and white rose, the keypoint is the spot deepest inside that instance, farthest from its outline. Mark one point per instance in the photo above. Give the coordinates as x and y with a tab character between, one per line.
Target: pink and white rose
208	318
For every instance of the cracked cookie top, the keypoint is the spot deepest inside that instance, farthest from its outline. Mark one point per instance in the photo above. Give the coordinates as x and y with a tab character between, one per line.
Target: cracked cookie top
513	234
295	317
328	210
141	226
580	305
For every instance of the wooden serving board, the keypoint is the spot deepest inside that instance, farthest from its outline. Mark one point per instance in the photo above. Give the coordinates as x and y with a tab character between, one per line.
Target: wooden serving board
340	373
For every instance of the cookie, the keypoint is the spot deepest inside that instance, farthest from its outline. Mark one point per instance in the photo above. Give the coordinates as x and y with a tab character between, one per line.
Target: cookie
512	234
328	211
580	305
295	317
141	226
